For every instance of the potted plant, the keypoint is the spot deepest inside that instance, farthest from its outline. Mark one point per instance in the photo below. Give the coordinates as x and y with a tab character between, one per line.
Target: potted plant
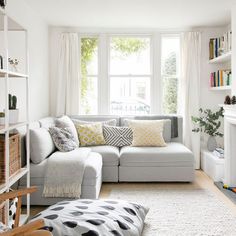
209	123
13	111
2	118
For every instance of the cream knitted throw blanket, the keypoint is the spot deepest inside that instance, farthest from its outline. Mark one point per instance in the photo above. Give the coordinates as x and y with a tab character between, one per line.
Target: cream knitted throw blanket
64	174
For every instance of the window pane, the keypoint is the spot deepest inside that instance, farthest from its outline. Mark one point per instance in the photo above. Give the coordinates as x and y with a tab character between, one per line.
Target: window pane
89	56
89	96
129	55
170	56
170	71
130	95
89	67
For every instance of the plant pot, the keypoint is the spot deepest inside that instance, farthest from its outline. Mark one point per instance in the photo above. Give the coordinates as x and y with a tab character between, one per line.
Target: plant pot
13	116
211	144
2	120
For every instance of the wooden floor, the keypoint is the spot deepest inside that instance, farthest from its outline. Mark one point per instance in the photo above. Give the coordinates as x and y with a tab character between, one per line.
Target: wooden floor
202	181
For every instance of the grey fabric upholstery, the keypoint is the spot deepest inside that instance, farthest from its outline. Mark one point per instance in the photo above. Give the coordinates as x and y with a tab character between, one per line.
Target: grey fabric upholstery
158	117
130	164
90	186
174	154
110	154
96	118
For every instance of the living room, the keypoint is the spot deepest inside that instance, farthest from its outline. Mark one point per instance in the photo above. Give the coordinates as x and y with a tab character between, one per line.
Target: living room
117	117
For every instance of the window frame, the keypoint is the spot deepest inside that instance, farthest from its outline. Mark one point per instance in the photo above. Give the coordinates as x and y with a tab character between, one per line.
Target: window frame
178	61
104	75
150	75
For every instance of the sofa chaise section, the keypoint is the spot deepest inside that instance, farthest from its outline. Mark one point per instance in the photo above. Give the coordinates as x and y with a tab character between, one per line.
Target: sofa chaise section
91	184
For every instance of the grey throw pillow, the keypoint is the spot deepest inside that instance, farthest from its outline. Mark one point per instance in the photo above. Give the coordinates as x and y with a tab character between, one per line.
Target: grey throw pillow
63	139
66	122
41	145
117	136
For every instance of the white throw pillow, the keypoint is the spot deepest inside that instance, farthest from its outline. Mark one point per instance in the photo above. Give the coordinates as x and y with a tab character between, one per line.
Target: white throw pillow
147	133
66	122
41	145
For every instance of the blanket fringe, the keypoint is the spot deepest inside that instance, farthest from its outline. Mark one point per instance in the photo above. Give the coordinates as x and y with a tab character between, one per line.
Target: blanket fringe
71	191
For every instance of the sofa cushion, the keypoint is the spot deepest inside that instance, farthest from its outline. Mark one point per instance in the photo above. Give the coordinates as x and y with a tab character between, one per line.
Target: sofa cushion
166	128
117	136
63	139
66	122
110	154
90	134
111	122
93	169
41	145
174	154
147	133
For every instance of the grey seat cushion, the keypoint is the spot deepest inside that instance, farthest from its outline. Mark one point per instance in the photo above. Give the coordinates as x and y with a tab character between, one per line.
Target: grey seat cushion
110	154
174	154
93	169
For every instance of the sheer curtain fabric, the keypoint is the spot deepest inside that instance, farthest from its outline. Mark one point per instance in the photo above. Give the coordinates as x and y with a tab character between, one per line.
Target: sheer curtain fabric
68	75
189	91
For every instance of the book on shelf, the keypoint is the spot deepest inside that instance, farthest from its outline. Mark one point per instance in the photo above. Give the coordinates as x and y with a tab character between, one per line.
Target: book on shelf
220	46
220	78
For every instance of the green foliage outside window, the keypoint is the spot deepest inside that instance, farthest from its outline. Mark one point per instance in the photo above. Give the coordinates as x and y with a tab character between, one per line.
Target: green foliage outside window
126	47
170	85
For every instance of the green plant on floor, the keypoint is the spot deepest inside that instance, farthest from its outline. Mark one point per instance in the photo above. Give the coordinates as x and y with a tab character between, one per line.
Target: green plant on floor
12	102
208	122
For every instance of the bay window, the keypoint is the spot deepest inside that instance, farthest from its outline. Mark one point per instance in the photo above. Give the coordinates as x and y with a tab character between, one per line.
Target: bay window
128	74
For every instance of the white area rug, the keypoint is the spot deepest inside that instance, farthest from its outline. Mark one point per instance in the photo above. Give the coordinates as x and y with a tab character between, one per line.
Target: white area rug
182	212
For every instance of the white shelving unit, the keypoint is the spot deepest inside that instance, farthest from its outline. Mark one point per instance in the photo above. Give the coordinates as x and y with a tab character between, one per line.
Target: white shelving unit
212	165
221	59
220	88
7	24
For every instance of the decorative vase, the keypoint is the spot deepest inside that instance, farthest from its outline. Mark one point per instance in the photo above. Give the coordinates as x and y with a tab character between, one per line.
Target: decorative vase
211	144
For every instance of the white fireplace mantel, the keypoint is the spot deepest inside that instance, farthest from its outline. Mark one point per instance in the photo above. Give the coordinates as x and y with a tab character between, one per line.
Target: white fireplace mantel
230	144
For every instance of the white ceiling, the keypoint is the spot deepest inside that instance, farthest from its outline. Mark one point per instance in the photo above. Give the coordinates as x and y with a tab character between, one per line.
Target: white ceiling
162	14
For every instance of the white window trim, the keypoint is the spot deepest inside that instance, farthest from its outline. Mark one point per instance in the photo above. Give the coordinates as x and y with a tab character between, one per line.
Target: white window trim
104	65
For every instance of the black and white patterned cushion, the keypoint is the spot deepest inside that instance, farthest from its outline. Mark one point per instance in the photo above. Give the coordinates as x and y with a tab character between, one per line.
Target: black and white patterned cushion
117	136
87	217
63	139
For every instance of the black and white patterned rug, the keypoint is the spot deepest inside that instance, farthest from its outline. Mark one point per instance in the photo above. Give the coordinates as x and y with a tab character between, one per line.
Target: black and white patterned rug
182	212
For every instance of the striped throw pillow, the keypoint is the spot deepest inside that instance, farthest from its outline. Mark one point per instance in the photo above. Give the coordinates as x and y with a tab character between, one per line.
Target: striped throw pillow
117	136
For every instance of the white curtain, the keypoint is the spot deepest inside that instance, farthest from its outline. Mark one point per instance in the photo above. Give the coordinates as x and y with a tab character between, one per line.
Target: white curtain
68	75
189	90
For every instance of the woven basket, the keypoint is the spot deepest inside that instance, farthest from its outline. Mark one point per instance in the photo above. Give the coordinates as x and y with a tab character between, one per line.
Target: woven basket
14	153
3	212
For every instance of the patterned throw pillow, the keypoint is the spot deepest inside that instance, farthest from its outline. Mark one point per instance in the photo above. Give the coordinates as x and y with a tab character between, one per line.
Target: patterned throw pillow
63	139
90	134
117	136
147	133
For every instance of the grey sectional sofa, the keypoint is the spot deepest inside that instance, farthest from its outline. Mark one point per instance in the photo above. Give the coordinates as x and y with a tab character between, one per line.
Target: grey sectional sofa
173	163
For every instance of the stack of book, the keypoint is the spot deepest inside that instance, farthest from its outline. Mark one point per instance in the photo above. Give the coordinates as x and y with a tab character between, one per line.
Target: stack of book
219	152
220	46
220	78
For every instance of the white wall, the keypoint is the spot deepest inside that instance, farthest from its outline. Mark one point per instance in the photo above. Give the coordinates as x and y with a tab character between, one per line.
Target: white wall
38	61
210	99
